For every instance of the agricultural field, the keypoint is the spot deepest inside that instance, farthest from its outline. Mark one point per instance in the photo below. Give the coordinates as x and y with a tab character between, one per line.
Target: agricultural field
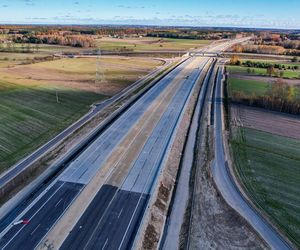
29	112
38	49
80	73
268	167
263	120
149	44
251	86
248	87
12	59
106	44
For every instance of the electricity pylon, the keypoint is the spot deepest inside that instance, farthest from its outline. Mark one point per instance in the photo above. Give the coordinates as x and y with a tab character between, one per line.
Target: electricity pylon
99	71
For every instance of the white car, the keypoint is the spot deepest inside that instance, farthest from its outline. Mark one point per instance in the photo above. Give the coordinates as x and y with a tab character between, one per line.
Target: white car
25	222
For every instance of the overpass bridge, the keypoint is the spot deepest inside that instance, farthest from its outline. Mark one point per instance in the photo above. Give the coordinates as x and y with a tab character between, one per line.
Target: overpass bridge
206	54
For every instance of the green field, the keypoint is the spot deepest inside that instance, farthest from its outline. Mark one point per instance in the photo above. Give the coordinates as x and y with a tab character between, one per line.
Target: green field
151	44
44	49
30	116
261	72
269	169
248	87
251	88
111	44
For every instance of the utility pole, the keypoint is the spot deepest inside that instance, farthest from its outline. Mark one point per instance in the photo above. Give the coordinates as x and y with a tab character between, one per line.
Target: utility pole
56	93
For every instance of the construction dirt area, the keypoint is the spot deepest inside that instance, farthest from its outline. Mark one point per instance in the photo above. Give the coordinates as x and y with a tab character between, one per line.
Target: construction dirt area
267	121
215	224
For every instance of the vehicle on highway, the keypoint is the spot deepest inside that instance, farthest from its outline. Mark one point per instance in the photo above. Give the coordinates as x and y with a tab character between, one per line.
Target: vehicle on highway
24	221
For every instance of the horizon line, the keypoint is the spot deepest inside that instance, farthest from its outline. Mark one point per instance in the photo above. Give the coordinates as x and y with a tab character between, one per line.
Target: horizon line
149	25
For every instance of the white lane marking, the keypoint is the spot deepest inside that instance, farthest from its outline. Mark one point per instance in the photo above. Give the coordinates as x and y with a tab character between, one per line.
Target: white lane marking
32	216
106	242
35	229
120	213
58	202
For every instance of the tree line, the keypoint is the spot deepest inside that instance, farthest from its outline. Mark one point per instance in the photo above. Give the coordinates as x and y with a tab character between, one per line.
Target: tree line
263	65
280	97
66	40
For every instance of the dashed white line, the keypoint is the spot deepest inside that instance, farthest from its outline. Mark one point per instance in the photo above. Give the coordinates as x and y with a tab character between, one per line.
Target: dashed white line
106	242
35	229
58	202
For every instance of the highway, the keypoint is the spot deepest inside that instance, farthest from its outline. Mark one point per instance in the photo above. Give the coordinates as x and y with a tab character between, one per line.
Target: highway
121	165
226	184
116	227
145	129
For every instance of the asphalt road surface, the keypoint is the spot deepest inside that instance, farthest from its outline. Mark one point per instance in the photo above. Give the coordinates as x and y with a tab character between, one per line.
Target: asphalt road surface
227	186
42	215
98	229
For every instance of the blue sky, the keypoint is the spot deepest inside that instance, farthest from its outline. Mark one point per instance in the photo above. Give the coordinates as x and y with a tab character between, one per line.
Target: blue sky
238	13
